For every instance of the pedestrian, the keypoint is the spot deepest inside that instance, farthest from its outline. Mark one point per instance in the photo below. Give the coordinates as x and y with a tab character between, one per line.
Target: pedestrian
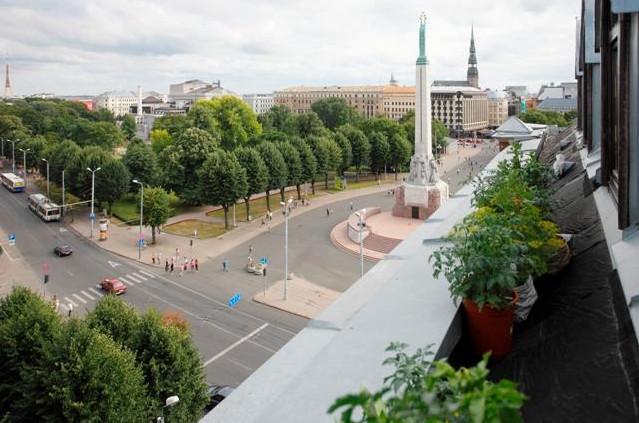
172	264
328	212
192	264
351	205
153	258
197	266
264	270
70	309
263	223
186	264
159	258
166	265
225	265
250	249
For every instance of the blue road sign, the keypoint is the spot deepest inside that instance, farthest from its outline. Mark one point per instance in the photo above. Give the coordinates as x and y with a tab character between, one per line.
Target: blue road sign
264	261
12	239
140	243
92	216
235	299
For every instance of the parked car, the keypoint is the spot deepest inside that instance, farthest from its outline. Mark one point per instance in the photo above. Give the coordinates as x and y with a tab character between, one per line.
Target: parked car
217	393
63	250
113	286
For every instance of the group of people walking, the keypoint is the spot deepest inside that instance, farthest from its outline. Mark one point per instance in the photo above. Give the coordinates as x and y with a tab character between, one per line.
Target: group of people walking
183	264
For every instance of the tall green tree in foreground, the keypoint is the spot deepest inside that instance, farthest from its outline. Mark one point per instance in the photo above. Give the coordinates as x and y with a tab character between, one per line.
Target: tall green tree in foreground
256	173
233	118
309	163
141	161
400	152
360	147
380	152
334	112
277	169
128	127
293	165
222	181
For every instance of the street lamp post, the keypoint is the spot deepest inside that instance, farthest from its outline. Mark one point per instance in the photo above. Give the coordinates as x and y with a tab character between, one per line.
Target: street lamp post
2	139
62	189
24	165
92	217
170	402
135	181
361	224
48	192
286	207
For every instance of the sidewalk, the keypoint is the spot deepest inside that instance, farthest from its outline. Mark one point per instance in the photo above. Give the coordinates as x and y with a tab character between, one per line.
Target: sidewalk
14	270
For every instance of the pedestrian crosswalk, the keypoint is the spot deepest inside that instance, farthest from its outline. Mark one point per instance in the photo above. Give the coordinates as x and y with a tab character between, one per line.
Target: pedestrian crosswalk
85	296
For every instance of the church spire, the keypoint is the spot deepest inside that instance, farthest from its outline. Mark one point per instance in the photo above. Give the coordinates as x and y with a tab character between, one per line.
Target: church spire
472	76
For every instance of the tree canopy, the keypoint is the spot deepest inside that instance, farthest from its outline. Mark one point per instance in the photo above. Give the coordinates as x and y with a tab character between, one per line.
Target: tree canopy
233	118
277	168
334	112
256	173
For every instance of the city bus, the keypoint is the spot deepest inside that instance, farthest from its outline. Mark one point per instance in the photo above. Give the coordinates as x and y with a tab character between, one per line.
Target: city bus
12	182
44	208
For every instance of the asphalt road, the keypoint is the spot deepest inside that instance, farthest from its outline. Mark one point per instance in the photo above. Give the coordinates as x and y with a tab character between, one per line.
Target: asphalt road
233	342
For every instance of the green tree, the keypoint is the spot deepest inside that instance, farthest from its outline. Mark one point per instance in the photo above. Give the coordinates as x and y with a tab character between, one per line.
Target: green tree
87	376
10	126
111	182
294	167
35	145
308	124
380	152
103	134
203	117
128	127
114	317
222	181
65	155
346	152
309	162
408	124
279	118
79	178
334	112
157	208
234	120
256	173
175	125
181	160
27	327
277	169
360	147
440	140
160	139
141	161
400	152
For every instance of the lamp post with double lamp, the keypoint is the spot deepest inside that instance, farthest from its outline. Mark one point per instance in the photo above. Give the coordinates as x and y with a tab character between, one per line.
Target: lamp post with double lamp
92	217
286	209
170	402
135	181
48	192
24	164
361	223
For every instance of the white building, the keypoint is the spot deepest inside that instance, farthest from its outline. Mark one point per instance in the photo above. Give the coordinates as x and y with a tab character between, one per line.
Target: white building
117	102
563	90
462	109
187	93
260	103
497	108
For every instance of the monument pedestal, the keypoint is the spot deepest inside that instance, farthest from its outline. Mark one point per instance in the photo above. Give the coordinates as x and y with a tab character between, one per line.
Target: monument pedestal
419	201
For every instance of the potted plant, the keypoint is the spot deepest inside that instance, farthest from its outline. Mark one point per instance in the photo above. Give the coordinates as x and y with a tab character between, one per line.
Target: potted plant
481	263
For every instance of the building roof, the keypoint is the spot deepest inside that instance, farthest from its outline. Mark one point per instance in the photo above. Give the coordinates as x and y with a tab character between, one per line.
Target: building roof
453	89
345	88
493	95
514	125
447	83
558	104
152	100
398	89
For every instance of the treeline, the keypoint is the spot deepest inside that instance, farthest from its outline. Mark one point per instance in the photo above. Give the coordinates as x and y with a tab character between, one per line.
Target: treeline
114	365
546	117
218	153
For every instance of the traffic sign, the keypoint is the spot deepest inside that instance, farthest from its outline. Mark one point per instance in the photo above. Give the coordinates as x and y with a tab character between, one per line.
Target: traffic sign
235	299
92	216
140	243
12	239
264	261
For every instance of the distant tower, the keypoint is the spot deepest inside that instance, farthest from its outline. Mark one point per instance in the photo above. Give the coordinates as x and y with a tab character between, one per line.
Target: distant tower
472	75
392	81
7	84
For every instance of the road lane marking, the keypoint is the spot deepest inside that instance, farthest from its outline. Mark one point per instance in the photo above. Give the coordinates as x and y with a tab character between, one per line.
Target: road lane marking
80	298
6	252
121	278
70	301
86	294
237	363
99	294
235	344
133	278
151	275
139	276
213	300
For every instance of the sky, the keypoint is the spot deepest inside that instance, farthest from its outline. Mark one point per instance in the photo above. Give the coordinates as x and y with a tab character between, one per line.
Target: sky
87	47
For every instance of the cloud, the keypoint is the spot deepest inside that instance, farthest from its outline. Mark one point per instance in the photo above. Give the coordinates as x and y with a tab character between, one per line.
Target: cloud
88	47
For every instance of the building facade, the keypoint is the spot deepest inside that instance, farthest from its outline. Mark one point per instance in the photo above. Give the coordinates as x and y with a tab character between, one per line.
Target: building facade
497	108
117	102
260	103
185	94
607	71
461	109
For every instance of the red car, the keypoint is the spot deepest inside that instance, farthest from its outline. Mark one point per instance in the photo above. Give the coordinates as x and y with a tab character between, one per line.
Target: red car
113	286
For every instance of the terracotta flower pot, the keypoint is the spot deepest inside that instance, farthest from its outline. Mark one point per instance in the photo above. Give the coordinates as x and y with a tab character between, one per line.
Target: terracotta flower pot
491	329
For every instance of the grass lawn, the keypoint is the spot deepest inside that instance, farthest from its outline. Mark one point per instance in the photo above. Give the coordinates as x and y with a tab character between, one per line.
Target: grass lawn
351	185
126	209
258	207
204	229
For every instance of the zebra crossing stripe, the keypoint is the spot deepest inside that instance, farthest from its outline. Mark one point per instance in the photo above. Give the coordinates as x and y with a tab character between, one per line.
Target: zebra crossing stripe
126	281
80	298
133	278
139	276
70	301
86	294
99	294
151	275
